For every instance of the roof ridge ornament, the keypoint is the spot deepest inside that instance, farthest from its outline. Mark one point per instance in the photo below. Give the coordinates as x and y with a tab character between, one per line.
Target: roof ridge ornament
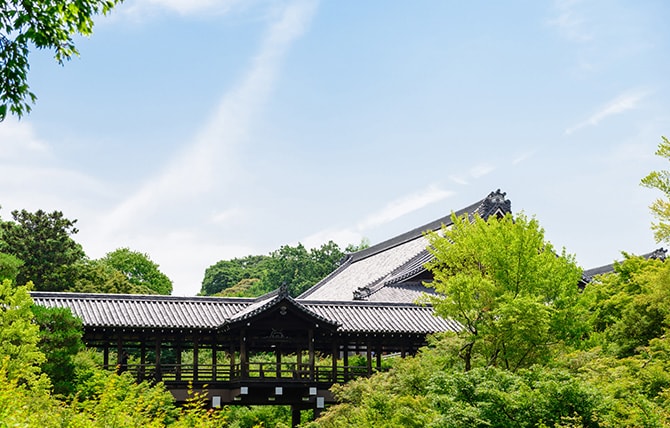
283	290
494	204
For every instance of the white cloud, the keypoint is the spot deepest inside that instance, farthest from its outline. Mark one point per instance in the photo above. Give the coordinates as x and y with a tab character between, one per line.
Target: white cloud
622	103
139	9
400	207
208	162
481	170
18	140
570	23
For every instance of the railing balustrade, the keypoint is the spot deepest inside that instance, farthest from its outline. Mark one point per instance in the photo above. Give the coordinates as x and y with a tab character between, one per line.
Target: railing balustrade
252	370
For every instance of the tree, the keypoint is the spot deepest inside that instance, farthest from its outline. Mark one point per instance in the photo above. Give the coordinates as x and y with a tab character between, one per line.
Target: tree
9	267
225	274
94	276
139	269
500	279
45	25
660	180
20	356
43	242
60	335
300	269
630	306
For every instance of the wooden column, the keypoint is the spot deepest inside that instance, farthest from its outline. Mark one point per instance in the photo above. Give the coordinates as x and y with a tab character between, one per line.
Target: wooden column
243	355
278	359
368	354
378	354
231	355
334	350
157	351
214	348
143	359
195	359
310	338
105	356
178	369
298	363
345	361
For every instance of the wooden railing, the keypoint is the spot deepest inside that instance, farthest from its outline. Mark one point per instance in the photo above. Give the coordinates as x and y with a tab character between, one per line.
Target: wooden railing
253	370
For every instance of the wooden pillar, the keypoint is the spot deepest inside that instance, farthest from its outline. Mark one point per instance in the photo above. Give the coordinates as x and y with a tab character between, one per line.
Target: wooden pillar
178	369
345	362
157	351
214	348
310	338
295	415
278	359
143	359
368	354
298	362
105	356
121	357
333	376
243	355
378	354
195	359
231	355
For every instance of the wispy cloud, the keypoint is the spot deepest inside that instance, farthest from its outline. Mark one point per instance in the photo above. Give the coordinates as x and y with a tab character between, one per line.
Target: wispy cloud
203	164
620	104
481	170
570	22
138	9
18	140
400	207
392	211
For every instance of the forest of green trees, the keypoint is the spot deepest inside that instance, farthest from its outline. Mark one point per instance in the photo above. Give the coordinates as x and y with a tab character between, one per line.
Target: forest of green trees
535	349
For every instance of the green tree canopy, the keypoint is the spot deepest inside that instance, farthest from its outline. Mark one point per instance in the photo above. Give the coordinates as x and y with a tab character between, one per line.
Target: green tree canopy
60	335
44	25
660	180
227	273
139	269
506	285
43	242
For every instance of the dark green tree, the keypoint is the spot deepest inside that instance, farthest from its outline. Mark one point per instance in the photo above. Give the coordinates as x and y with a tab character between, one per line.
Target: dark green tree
139	269
228	273
44	25
60	340
44	243
299	268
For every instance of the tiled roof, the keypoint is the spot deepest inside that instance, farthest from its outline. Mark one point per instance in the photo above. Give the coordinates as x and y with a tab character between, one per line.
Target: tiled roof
589	274
398	259
118	310
161	312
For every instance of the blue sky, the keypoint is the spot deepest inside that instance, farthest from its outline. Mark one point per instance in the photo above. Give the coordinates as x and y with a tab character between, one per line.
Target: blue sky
197	131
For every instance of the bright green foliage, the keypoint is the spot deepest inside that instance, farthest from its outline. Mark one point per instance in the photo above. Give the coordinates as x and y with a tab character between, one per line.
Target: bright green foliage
9	267
94	276
19	336
661	207
139	270
43	242
60	340
504	283
630	306
121	402
45	25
